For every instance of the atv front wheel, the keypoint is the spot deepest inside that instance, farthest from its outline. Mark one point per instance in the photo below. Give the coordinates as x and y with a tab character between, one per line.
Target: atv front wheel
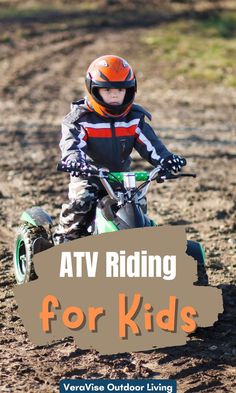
24	251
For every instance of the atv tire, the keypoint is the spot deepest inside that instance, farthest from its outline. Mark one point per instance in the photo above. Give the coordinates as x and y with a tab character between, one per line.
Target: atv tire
24	252
195	250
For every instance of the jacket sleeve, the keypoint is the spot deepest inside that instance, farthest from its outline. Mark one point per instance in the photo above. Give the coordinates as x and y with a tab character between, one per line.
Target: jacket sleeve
73	143
148	145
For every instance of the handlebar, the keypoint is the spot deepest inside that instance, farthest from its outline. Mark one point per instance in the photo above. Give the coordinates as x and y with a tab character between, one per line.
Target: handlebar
157	173
106	177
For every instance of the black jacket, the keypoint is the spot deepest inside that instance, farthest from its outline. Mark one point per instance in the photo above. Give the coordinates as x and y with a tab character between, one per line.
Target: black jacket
107	142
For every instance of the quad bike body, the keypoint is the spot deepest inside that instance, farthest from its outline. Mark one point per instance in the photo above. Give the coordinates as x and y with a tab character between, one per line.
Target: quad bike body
119	209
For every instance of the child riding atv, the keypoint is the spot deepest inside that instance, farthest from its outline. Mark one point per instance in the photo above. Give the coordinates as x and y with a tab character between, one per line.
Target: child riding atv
102	130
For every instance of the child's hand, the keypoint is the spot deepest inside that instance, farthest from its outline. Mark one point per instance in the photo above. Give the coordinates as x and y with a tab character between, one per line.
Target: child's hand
173	163
73	167
79	168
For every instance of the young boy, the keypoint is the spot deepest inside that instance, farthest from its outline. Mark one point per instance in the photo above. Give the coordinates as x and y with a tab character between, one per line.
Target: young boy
105	127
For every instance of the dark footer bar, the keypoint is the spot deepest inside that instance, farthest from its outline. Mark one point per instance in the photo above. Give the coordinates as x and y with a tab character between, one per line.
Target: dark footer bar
118	385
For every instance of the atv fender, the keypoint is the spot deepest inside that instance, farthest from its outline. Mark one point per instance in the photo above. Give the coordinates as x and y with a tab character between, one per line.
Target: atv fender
41	244
195	250
36	216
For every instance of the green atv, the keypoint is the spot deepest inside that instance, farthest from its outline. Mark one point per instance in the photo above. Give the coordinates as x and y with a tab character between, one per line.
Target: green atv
118	209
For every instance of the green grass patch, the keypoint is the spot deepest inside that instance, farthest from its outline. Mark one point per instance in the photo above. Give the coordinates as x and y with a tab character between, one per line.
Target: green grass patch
15	12
197	51
222	25
37	8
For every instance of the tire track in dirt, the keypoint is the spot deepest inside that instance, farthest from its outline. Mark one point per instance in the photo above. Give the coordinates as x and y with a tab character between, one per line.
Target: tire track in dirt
27	64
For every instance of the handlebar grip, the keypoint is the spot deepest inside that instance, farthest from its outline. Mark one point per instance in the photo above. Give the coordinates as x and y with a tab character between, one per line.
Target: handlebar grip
78	170
62	167
171	176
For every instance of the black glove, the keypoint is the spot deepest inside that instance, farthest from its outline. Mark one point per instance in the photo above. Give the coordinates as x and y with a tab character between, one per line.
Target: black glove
76	168
173	163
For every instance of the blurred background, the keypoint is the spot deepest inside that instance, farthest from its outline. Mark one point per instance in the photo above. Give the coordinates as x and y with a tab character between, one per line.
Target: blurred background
182	52
184	56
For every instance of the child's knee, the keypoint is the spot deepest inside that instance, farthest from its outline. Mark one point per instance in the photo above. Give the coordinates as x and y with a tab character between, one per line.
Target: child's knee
76	188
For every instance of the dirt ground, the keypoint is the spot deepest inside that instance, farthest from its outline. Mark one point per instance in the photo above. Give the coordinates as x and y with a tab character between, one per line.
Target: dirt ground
42	66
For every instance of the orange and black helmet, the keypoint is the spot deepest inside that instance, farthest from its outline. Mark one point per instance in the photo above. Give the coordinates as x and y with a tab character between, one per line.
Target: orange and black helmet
111	72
